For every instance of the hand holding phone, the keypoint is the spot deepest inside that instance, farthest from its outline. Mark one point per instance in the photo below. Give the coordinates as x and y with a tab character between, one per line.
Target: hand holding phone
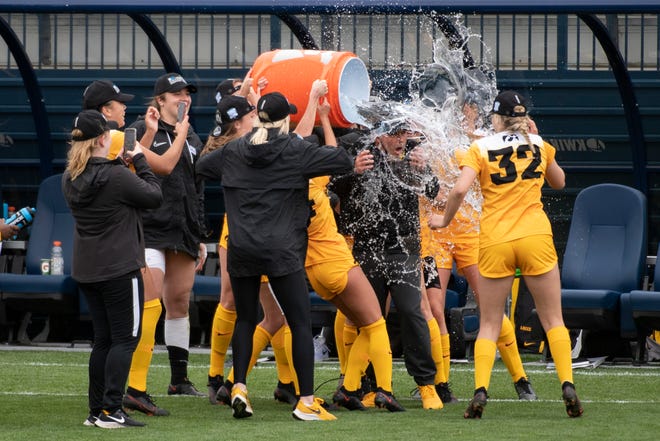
129	140
181	111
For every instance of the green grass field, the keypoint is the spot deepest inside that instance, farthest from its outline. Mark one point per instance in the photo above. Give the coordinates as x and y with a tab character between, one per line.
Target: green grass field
43	397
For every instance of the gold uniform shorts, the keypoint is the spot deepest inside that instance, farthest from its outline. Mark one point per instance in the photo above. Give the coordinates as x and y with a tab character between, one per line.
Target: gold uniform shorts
534	255
329	279
464	253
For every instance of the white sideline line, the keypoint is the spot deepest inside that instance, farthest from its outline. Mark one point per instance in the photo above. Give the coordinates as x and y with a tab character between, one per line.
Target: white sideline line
269	396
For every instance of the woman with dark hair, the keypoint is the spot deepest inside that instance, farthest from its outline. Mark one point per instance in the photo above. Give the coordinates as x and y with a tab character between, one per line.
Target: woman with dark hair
173	232
265	176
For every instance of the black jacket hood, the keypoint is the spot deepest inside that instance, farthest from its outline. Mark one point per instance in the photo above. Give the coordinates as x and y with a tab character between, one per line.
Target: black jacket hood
261	155
82	190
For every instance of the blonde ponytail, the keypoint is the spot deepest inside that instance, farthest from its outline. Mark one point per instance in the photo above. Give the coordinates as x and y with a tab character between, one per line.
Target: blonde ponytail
261	134
519	124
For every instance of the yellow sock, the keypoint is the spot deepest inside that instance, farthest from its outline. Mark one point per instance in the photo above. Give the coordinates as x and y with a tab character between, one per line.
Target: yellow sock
222	331
281	361
137	376
340	319
560	347
260	339
288	347
357	362
506	343
349	335
446	354
484	358
380	352
436	351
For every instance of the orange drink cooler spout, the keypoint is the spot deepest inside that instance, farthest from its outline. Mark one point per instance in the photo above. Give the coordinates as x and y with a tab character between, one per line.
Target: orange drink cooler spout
292	72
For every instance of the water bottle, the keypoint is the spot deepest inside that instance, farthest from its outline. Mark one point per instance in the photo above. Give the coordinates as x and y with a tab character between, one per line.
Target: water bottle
21	218
321	350
56	259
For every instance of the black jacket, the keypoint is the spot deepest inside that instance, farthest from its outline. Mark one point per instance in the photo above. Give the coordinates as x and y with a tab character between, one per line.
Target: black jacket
266	195
106	201
380	208
178	224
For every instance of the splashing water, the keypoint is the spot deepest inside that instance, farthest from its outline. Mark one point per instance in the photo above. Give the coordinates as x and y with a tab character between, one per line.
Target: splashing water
443	94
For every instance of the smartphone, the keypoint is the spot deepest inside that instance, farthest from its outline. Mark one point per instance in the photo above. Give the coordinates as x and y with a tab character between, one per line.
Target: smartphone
181	111
129	139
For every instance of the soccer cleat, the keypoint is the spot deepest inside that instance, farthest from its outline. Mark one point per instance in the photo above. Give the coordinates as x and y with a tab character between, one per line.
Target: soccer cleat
445	393
116	420
315	412
385	400
524	390
430	398
213	385
240	404
571	400
369	399
224	393
143	403
349	400
476	407
184	388
90	421
285	393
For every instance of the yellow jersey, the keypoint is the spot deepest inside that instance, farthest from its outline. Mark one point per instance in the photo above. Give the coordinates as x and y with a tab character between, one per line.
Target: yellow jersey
511	176
324	241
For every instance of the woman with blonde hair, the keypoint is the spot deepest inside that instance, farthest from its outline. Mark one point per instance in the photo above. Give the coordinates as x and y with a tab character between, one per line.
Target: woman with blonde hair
235	117
265	178
106	200
515	232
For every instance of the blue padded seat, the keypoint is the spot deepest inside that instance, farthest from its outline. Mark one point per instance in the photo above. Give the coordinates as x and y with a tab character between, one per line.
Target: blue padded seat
33	291
605	255
206	288
644	306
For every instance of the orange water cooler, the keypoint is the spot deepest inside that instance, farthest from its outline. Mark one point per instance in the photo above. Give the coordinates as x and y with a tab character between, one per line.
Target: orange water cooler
292	72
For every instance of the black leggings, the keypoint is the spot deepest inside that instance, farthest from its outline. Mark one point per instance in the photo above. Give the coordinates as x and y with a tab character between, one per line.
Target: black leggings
293	296
116	308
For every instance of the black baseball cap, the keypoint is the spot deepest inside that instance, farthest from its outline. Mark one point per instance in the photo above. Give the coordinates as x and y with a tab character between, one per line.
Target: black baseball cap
275	107
510	103
172	82
232	108
226	88
91	123
102	91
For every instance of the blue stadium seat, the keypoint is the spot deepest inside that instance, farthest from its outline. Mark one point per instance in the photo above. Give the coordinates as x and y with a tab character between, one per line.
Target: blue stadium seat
32	291
605	256
644	309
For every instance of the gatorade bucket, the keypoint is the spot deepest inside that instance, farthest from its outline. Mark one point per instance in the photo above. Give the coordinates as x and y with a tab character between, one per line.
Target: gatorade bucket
292	72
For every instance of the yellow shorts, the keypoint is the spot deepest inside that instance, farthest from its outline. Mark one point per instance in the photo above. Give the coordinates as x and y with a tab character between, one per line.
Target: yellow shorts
224	236
534	255
329	279
464	253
